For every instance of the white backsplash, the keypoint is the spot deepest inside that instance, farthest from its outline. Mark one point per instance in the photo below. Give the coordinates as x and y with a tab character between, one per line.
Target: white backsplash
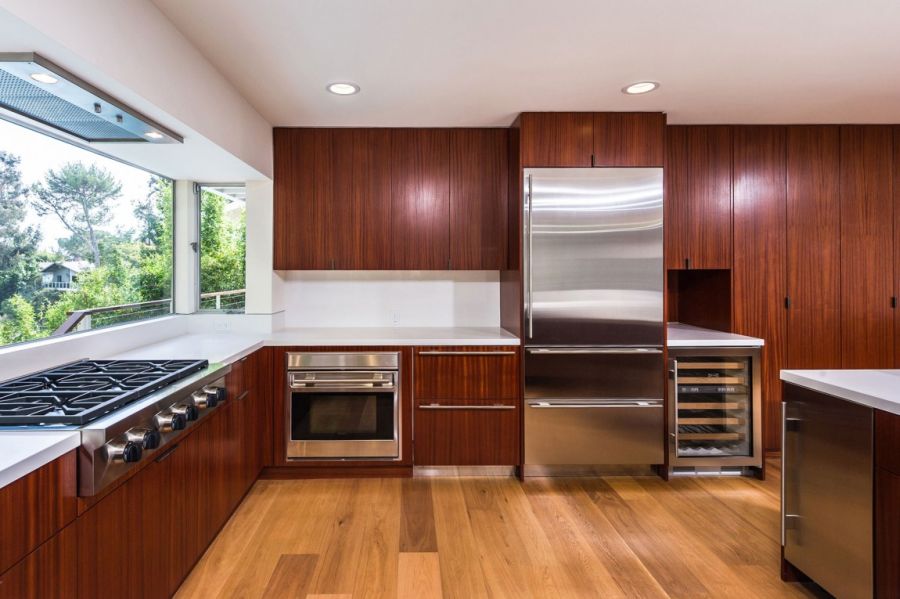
392	299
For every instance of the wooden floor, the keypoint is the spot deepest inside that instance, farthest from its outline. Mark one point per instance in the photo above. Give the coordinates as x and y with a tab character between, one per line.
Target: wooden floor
494	537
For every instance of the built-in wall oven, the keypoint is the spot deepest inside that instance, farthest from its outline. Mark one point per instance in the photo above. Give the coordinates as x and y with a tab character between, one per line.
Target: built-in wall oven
343	405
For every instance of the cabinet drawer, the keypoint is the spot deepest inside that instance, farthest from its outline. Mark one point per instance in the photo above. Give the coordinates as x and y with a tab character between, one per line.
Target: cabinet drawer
46	573
35	507
467	373
466	433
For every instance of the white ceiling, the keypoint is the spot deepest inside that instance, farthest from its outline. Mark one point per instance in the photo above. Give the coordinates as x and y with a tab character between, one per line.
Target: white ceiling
479	62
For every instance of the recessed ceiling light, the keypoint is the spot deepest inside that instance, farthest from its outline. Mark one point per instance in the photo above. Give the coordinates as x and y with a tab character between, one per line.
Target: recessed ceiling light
44	78
641	87
153	135
343	88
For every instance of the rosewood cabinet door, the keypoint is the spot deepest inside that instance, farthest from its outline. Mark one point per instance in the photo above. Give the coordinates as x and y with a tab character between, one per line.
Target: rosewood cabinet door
813	247
420	198
897	245
556	138
467	433
629	138
301	210
867	246
49	572
698	197
478	198
758	276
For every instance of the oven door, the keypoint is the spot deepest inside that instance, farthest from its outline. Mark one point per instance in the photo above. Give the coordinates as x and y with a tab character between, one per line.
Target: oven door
343	415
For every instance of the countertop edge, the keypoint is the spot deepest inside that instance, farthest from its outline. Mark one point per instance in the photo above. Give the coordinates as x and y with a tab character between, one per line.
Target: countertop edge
68	441
841	392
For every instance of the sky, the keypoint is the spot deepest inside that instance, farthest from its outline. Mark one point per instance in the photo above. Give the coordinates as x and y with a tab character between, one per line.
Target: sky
40	153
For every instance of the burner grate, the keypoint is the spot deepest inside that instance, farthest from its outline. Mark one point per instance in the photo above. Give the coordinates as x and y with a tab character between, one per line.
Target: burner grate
82	391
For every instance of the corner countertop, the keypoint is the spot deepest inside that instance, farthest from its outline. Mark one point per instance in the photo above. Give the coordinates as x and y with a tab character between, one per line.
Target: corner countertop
685	335
21	453
879	389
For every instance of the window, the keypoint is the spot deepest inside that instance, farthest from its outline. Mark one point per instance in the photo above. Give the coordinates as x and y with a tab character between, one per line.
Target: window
223	247
85	241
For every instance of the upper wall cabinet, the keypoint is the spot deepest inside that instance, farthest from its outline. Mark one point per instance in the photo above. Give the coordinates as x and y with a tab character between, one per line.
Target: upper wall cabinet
698	197
379	199
583	139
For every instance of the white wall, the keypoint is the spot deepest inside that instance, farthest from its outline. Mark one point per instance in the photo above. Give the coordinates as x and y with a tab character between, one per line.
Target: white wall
391	298
264	286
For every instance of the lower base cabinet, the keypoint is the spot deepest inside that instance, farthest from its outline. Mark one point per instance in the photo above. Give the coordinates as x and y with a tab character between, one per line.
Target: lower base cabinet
467	434
49	572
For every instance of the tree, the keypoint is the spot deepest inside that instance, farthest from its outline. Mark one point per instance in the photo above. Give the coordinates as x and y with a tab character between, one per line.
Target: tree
79	196
18	244
18	323
222	246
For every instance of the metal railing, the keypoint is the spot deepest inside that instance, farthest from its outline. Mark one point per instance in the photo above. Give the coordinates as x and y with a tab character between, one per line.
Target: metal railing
232	300
97	318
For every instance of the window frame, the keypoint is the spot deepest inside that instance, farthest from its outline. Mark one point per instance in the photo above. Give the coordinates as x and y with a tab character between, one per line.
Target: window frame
197	246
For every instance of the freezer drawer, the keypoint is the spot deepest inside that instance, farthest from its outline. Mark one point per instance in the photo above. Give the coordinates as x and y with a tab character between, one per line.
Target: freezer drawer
593	432
594	373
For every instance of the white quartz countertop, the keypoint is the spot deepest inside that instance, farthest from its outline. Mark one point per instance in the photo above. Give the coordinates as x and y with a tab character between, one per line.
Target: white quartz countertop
393	336
21	453
215	347
685	335
879	389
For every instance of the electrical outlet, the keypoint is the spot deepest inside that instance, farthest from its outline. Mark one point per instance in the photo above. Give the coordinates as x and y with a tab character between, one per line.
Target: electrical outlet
221	325
395	319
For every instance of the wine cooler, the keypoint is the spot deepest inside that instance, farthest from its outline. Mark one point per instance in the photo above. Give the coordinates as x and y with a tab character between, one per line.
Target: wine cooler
714	410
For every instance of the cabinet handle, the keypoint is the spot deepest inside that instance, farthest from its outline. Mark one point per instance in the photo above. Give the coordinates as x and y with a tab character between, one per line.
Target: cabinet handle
787	303
466	353
165	455
893	302
243	395
687	263
437	406
593	160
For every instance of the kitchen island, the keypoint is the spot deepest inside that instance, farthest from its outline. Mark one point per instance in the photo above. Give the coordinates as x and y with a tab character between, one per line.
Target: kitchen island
841	480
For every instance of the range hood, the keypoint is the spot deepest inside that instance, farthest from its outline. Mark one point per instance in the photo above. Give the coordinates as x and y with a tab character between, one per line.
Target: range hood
37	89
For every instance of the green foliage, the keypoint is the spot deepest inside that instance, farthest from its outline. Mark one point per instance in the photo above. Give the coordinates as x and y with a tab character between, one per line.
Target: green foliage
18	323
18	268
223	245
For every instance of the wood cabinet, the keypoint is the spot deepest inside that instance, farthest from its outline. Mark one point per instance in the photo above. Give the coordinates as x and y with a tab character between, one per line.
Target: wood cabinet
629	139
698	197
420	198
584	139
887	496
896	301
760	252
370	199
49	572
467	406
813	247
867	247
556	138
478	198
36	507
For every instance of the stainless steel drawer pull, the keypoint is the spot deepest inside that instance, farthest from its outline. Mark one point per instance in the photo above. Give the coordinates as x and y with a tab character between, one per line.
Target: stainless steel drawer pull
546	405
467	353
437	406
595	350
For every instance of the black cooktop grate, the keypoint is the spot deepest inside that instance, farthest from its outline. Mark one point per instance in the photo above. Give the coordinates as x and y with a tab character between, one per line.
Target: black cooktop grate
79	392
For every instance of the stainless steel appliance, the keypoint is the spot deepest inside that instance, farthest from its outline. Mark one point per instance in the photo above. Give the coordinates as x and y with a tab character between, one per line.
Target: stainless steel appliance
594	371
826	496
126	410
715	410
343	405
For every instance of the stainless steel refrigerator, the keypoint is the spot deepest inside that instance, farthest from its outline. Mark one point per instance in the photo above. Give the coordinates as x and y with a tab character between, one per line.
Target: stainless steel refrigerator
593	285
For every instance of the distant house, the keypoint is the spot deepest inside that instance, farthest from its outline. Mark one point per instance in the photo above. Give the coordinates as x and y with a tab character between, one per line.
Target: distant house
62	275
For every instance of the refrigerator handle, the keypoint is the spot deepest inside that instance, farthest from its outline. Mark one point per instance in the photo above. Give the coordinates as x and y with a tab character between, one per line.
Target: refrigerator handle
528	274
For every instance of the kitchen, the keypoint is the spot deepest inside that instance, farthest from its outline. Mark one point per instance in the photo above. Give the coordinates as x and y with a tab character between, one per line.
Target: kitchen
390	299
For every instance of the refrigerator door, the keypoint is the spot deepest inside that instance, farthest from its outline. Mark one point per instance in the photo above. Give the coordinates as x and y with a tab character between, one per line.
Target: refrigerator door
594	256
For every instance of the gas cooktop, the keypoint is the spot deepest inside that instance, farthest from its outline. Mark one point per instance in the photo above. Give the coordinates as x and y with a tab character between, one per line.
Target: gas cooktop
80	392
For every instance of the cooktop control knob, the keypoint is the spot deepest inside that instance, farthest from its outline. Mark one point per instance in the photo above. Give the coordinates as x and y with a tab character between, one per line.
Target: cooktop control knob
148	438
169	421
189	411
123	451
216	394
203	400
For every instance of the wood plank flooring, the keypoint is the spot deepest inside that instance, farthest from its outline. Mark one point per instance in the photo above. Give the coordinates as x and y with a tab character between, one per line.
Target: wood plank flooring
465	538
